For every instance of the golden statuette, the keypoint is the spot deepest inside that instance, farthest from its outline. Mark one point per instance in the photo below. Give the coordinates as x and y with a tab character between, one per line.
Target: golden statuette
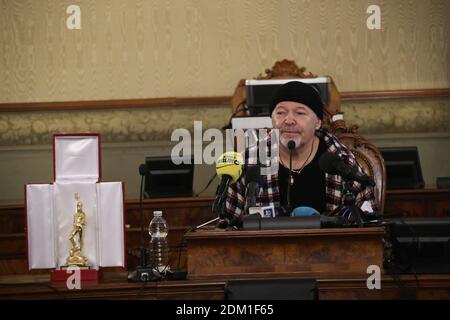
76	237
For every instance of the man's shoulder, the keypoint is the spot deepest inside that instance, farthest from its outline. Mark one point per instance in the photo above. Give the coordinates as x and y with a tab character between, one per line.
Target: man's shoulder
333	144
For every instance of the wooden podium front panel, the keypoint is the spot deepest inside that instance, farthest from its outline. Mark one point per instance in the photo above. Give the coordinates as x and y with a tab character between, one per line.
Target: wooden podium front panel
417	203
317	253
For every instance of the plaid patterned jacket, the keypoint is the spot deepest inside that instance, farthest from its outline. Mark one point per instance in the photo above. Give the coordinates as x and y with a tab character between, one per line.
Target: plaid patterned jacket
269	190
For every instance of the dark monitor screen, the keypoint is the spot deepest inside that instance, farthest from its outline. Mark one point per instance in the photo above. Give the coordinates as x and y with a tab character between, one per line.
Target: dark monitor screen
166	179
419	245
403	170
260	92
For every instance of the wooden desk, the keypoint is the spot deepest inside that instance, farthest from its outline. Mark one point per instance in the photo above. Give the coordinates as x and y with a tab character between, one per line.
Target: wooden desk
184	213
406	287
417	203
315	253
181	215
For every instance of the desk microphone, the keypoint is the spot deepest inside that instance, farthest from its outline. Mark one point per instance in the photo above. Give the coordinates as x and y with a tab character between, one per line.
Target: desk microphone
325	221
252	179
331	163
304	212
228	168
291	147
143	272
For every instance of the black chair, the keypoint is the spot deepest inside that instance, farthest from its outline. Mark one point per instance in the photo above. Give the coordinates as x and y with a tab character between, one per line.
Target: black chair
273	289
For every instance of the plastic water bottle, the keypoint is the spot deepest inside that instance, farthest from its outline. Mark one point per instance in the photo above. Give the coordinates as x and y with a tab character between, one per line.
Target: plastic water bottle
159	249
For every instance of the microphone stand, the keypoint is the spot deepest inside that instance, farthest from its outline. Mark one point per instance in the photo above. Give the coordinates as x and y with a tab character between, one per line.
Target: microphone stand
219	203
350	202
143	272
220	193
205	224
291	146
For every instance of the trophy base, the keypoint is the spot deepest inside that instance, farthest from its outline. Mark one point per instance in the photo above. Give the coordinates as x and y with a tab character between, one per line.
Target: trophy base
80	266
78	261
88	276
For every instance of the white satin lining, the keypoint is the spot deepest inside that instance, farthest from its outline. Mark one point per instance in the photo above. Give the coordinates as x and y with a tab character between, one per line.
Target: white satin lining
40	229
50	211
110	218
76	158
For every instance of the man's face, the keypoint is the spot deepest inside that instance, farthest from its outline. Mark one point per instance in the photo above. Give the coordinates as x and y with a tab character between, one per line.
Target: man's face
296	122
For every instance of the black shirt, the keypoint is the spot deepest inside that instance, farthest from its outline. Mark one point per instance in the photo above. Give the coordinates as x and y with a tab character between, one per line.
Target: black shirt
309	186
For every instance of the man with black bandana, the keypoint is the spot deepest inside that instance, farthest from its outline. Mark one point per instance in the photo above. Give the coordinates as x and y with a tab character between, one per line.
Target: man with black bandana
297	111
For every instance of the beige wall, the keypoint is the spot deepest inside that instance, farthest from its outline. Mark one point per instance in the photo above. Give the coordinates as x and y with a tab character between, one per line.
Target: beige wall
178	48
148	49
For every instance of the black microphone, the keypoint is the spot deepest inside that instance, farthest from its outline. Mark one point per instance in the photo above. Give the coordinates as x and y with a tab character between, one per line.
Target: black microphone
143	170
252	179
291	146
256	222
325	221
331	163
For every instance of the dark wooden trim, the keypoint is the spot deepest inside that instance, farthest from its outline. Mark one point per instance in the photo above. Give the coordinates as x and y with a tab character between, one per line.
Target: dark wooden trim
181	202
39	287
417	192
114	104
202	101
204	235
395	94
174	202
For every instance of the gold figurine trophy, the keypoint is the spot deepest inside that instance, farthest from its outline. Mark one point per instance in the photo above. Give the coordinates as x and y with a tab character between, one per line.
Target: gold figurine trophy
76	237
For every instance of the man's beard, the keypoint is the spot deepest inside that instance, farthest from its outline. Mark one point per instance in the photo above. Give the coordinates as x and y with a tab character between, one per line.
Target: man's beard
284	141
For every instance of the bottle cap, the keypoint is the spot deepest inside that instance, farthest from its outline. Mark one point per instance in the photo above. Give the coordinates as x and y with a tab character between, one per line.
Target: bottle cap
157	213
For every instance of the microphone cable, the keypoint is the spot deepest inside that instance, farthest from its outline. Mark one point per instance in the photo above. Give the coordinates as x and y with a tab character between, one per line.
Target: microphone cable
394	263
207	185
238	109
143	170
